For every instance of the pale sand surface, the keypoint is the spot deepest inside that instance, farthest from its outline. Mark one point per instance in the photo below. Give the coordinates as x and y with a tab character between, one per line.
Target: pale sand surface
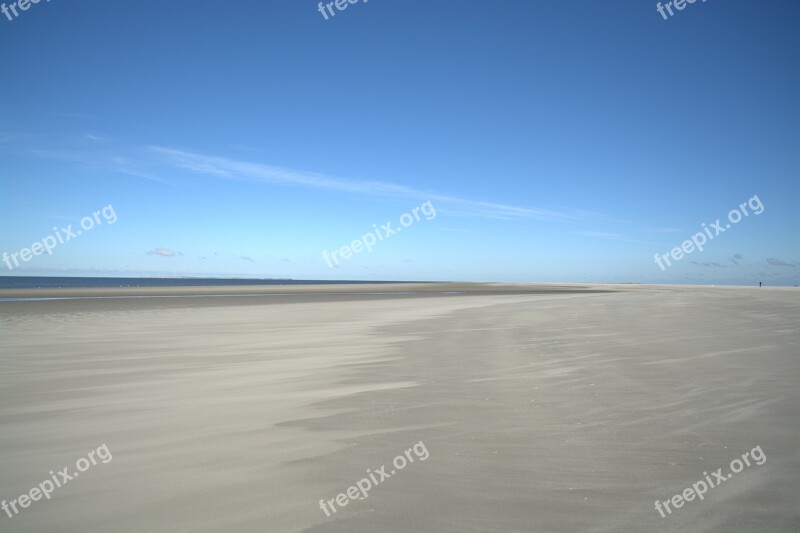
543	408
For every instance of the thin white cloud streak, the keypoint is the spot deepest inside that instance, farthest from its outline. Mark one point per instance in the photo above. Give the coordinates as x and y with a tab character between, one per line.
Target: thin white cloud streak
10	136
235	170
126	166
601	235
613	237
163	252
119	164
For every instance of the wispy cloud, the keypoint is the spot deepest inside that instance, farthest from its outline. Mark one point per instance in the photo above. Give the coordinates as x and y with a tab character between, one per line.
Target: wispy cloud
602	235
709	264
81	116
10	136
159	161
774	261
231	169
121	164
163	252
612	237
124	165
458	230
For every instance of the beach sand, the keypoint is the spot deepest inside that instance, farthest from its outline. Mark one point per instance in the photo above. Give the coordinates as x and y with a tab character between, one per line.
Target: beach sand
542	407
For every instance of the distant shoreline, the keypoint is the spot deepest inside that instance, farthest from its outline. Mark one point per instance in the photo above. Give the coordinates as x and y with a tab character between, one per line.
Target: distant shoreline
46	282
307	291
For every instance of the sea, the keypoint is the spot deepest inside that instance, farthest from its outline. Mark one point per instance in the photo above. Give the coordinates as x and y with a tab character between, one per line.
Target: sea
48	282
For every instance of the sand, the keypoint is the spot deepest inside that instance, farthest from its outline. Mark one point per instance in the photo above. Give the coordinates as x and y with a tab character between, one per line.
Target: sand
542	408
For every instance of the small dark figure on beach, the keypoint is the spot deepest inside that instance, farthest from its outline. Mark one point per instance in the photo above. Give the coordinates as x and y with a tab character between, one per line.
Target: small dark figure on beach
759	283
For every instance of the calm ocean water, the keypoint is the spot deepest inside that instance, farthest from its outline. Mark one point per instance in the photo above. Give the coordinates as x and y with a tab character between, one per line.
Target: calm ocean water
33	282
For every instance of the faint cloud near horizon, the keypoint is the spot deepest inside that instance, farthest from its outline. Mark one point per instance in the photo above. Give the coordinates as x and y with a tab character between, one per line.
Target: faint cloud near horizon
709	264
774	261
163	252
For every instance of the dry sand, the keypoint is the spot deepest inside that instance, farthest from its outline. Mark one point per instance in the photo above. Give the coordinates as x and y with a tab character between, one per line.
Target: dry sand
543	408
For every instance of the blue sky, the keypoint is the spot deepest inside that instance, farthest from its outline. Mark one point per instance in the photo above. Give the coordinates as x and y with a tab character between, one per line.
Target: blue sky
556	140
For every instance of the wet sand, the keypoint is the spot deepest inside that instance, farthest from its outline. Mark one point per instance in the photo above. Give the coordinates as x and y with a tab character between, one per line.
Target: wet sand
543	408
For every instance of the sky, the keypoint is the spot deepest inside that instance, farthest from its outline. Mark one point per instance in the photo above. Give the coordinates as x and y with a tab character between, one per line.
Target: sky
539	141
